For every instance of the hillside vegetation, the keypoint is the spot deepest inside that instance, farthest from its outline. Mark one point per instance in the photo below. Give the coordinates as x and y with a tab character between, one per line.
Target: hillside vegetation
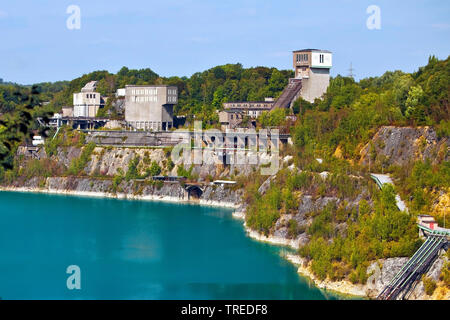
342	240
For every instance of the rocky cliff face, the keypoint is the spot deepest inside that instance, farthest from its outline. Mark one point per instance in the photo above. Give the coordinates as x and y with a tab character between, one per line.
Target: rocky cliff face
380	273
106	161
308	206
442	293
383	271
398	146
212	195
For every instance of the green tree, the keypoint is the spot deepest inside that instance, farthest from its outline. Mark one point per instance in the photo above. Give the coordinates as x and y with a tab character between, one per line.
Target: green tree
154	169
414	110
132	172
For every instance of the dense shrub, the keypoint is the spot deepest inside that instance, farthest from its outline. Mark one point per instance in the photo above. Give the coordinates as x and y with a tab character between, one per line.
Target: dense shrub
40	168
383	232
78	164
132	172
117	180
445	273
262	215
293	228
154	169
429	285
182	172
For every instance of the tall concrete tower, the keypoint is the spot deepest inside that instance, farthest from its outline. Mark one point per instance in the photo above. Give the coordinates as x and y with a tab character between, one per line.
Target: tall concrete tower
313	66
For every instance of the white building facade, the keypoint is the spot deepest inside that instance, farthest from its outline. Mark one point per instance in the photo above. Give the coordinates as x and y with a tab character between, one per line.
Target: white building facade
87	102
313	66
150	107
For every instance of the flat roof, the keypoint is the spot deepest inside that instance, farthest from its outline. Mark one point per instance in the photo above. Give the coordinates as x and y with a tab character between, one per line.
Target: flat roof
312	50
224	181
239	110
252	102
168	177
148	85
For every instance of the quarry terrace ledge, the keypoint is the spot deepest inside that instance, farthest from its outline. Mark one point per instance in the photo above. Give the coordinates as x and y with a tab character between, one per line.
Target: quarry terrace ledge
234	139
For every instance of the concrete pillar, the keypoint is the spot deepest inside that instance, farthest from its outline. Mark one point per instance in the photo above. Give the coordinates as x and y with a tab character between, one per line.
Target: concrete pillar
422	234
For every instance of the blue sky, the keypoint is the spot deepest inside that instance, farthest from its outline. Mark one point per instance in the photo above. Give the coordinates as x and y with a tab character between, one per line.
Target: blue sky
185	36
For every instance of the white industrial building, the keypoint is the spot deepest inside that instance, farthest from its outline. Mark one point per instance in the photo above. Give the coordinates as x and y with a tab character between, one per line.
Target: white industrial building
312	67
87	102
150	107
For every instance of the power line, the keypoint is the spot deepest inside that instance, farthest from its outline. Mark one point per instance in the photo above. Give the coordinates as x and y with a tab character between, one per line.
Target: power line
351	73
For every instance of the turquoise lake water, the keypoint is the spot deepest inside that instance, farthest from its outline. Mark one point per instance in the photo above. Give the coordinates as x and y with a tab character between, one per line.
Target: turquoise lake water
136	250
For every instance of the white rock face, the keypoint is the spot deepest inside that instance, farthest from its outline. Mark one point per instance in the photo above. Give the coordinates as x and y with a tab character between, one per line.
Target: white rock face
401	144
106	161
418	293
381	277
382	272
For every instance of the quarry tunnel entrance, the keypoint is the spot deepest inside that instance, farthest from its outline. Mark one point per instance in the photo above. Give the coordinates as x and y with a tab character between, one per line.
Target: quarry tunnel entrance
194	192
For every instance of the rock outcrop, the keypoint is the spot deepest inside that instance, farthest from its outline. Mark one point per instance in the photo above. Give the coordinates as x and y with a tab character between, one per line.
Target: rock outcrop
89	186
400	145
418	292
382	272
106	161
